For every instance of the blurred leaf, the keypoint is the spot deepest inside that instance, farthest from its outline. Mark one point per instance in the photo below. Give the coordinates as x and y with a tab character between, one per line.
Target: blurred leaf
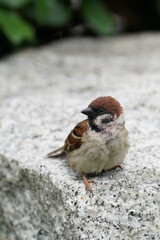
60	14
14	27
43	8
97	17
53	12
14	3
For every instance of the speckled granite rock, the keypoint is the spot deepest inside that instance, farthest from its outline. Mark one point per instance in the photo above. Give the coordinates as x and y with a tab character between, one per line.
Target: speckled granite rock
40	90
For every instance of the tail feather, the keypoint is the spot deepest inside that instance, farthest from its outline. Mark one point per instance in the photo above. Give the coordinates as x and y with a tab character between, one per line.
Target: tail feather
56	152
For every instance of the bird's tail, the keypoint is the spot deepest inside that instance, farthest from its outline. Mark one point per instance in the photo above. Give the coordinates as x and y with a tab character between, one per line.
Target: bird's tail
56	153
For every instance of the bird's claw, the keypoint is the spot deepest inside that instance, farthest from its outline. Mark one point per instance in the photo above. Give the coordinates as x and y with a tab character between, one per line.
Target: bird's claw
87	183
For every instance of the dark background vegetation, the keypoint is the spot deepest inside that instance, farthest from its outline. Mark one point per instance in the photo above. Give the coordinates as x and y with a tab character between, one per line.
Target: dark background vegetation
36	22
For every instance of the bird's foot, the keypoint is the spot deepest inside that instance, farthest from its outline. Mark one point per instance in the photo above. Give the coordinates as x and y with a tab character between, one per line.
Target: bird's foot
91	181
120	166
87	183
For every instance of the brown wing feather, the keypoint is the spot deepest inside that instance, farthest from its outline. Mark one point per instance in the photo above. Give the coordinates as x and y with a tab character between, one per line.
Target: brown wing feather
73	141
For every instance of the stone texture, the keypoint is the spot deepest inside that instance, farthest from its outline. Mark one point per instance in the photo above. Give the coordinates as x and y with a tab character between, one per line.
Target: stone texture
40	91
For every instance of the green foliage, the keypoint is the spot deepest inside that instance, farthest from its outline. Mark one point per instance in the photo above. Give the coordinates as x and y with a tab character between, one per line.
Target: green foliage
21	19
33	22
97	17
14	3
60	14
52	13
14	27
43	9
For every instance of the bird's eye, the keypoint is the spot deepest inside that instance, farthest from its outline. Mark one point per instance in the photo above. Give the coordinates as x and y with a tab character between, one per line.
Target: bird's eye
101	111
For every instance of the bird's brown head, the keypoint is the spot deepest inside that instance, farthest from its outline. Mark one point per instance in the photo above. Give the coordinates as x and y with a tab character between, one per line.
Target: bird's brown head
102	110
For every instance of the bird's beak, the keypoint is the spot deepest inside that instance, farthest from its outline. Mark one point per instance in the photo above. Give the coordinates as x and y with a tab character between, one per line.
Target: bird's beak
88	111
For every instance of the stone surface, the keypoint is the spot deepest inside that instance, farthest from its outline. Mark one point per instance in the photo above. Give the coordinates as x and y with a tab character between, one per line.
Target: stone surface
40	91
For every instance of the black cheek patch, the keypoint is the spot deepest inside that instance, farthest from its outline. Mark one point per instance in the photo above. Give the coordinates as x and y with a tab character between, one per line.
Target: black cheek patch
106	120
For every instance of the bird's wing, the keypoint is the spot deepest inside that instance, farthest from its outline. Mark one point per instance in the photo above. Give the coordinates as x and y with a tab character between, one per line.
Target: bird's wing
73	141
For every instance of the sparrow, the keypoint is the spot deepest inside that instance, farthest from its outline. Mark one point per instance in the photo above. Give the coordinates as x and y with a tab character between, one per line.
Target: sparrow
98	143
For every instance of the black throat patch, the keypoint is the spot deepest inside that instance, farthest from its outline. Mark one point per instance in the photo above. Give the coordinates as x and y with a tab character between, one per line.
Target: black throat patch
92	125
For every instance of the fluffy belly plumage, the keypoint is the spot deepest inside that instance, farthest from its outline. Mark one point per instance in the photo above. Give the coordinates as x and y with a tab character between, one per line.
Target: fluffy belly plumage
95	156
